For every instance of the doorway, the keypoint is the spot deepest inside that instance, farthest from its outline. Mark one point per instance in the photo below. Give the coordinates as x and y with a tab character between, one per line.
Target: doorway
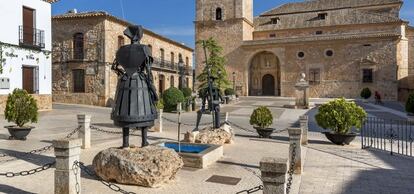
268	85
28	79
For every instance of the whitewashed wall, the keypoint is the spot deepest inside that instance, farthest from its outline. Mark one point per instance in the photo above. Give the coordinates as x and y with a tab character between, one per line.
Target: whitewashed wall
11	17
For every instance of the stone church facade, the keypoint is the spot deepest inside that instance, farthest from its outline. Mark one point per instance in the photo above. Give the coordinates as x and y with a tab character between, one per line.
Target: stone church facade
342	46
84	48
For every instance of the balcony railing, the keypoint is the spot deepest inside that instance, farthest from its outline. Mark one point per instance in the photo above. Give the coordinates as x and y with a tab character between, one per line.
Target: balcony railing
168	65
31	37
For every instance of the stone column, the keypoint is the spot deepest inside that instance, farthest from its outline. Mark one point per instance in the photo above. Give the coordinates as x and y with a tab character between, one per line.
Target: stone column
67	151
295	139
84	122
274	175
304	121
160	119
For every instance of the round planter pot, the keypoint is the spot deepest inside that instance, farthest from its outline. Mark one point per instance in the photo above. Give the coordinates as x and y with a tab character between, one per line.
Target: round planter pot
340	139
18	133
264	132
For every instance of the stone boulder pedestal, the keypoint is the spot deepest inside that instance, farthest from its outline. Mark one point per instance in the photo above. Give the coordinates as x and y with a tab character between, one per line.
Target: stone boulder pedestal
151	166
208	135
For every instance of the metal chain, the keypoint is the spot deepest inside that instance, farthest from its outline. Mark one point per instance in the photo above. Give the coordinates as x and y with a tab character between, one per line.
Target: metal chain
28	172
291	169
111	186
187	124
40	150
110	132
252	190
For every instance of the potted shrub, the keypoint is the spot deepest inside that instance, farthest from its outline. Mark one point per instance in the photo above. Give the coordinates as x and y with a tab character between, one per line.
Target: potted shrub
409	107
21	108
171	98
261	119
366	93
187	92
340	117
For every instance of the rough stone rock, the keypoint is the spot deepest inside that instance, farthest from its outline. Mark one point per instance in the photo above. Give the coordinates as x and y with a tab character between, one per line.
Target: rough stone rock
151	166
218	136
191	136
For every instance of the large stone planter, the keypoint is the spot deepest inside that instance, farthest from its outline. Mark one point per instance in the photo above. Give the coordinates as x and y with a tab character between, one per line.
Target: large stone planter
340	139
19	133
151	166
264	132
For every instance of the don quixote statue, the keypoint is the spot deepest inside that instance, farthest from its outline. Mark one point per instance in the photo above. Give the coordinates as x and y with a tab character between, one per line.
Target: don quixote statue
136	95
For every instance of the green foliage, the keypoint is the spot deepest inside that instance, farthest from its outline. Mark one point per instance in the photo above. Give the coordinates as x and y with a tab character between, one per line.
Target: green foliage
229	92
21	108
409	106
187	92
366	93
261	117
171	98
217	63
160	104
340	116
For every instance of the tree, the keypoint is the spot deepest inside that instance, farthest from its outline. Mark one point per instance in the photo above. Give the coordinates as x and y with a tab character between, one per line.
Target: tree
216	62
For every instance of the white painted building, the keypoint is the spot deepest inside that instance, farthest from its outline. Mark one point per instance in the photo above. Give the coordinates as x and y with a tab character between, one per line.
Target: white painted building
25	45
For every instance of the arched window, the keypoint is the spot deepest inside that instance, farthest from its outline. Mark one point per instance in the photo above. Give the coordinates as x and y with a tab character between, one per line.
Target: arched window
121	41
162	56
180	57
172	80
187	61
172	58
219	14
150	48
78	46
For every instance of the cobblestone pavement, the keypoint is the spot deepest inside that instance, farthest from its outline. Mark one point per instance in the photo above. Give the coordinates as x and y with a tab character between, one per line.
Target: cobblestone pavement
328	168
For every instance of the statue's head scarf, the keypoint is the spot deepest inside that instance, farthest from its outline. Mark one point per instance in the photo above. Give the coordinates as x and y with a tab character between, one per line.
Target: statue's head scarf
134	33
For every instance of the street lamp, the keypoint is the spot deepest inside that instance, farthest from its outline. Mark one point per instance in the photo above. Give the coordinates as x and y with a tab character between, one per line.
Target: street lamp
181	71
234	81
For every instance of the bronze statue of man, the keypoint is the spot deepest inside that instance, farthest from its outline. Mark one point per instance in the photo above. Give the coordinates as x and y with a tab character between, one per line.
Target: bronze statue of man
136	95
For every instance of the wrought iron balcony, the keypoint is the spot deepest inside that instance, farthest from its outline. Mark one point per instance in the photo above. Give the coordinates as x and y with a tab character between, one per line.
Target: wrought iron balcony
31	37
169	66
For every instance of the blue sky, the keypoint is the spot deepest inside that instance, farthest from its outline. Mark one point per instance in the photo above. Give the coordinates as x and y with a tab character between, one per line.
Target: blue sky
172	18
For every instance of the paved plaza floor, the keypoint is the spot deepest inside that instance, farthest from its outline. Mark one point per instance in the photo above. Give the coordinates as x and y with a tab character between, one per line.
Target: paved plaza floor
328	168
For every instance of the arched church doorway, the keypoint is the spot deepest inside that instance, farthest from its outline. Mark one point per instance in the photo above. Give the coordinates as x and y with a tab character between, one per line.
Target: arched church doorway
268	85
264	75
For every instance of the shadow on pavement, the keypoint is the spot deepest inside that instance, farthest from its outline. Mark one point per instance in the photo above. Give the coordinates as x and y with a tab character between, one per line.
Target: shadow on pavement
35	159
10	189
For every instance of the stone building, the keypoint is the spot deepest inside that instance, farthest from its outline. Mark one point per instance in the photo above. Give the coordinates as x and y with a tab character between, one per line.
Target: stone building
342	46
25	47
84	48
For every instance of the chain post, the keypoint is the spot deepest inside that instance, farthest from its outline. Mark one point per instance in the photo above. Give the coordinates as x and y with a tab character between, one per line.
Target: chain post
67	151
295	149
84	122
274	175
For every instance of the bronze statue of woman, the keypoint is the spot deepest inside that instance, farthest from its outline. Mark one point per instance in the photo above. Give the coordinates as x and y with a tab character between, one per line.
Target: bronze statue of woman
136	95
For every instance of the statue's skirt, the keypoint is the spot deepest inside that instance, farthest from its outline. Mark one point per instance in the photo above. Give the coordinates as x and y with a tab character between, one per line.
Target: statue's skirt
134	103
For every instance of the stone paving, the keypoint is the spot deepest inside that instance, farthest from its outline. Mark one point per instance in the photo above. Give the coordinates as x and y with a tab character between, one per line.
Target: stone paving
328	168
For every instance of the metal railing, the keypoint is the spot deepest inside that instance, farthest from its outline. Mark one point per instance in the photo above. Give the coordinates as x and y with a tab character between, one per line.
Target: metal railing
31	37
168	65
394	136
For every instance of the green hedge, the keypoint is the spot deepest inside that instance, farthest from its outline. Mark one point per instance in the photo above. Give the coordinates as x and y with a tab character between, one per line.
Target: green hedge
229	92
171	98
187	92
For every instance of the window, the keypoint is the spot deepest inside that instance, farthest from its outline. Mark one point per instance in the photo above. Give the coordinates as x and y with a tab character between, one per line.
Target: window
273	35
329	53
367	76
121	41
78	46
187	82
219	14
318	32
314	76
322	16
301	55
162	56
367	45
187	61
180	57
172	80
150	48
78	80
172	58
275	20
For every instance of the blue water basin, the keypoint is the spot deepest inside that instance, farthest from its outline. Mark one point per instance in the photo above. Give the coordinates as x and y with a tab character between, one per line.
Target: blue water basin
186	148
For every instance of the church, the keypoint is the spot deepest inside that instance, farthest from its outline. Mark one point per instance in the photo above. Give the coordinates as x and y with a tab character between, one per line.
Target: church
341	46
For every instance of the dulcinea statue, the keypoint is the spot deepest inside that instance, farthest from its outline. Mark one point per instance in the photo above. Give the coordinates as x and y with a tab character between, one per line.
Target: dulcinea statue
136	95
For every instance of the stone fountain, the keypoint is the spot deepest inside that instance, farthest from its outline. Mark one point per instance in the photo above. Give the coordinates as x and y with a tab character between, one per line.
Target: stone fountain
302	93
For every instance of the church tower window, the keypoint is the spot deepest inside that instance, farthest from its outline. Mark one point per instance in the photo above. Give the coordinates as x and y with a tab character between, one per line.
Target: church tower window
322	16
219	14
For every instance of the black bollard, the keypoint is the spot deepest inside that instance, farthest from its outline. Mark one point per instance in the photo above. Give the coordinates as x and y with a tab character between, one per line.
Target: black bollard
144	132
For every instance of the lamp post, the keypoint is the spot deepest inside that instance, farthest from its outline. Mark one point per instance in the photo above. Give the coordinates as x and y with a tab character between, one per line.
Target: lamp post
234	81
219	82
181	72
